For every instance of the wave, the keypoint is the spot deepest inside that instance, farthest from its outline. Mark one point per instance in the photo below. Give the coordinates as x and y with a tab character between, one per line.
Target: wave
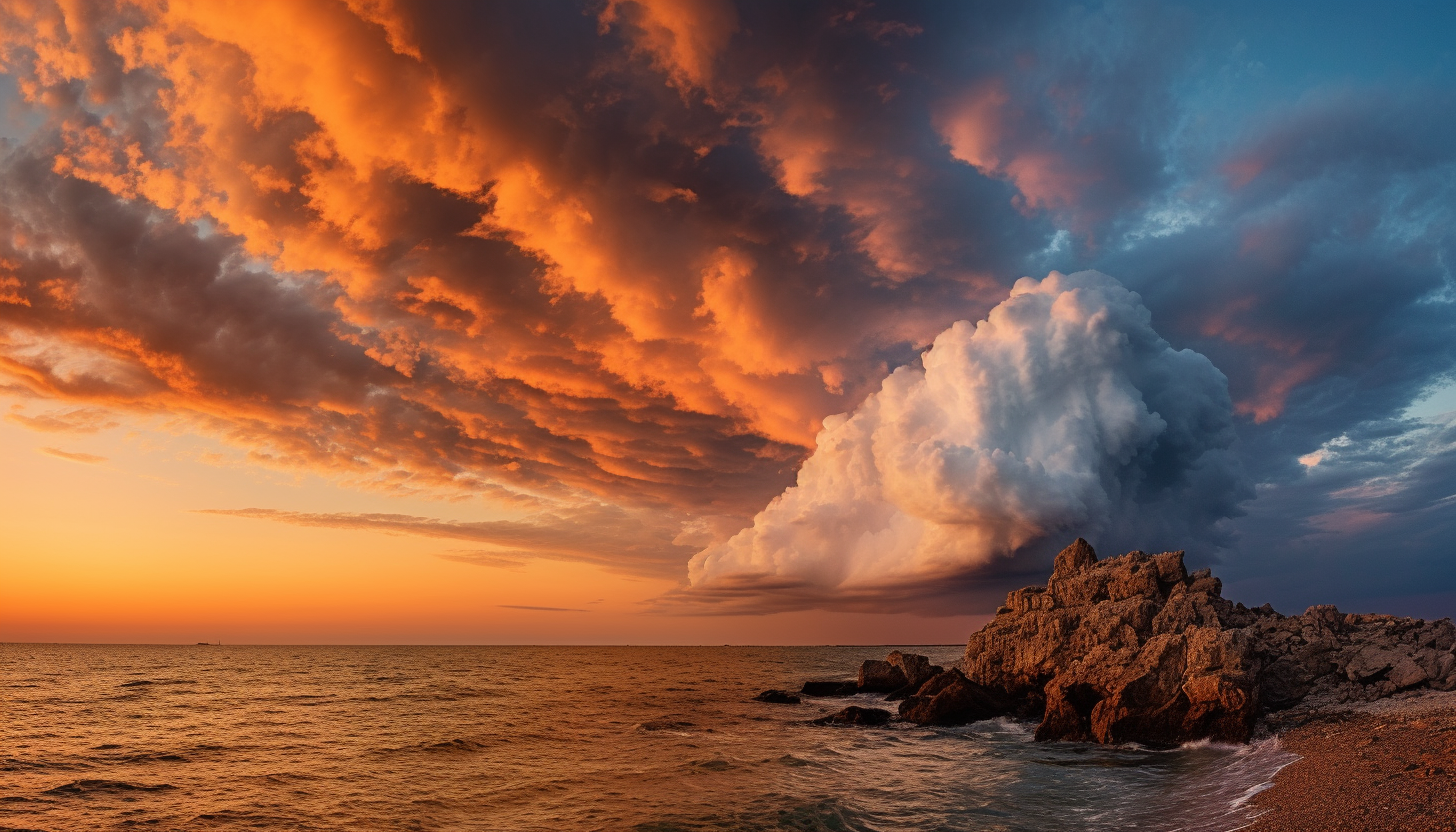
153	757
455	746
82	787
18	764
669	725
136	683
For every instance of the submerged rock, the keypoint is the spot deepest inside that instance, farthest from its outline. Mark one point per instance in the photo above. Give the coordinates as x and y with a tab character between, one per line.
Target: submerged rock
778	697
855	715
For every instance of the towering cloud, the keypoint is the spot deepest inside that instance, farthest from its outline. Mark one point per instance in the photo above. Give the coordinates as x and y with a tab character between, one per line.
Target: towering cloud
630	253
1063	411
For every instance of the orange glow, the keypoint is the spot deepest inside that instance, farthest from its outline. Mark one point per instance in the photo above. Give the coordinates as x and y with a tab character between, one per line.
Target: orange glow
386	288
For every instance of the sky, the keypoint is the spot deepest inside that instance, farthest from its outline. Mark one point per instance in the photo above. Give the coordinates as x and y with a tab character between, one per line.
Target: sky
690	321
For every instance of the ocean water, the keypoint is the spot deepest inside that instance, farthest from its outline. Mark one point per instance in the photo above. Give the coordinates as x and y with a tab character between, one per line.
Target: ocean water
546	738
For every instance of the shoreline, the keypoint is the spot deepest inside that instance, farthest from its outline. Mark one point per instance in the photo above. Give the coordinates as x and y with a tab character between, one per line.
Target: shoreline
1382	766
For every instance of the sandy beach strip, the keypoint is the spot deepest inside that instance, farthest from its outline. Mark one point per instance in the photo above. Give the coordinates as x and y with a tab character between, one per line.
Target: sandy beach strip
1388	766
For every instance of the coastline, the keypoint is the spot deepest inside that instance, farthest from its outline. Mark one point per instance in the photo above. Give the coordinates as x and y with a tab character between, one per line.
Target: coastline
1388	765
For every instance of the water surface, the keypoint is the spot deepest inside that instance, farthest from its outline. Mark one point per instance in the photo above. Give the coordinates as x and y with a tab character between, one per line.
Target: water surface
546	738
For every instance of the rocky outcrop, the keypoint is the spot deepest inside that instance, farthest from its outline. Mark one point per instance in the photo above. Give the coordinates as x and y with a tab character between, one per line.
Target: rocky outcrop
778	697
1135	649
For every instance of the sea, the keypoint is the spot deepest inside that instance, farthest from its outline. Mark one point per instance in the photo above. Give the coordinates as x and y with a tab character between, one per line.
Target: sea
649	739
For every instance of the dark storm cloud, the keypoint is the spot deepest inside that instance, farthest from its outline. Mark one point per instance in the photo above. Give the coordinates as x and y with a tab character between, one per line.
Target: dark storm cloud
1375	513
632	254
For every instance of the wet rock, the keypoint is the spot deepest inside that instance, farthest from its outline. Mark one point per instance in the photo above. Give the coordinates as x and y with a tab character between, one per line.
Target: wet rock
949	698
880	677
829	688
916	669
778	697
855	715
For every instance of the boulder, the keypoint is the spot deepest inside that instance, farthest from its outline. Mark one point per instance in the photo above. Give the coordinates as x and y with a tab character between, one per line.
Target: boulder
949	698
778	697
855	715
880	677
916	669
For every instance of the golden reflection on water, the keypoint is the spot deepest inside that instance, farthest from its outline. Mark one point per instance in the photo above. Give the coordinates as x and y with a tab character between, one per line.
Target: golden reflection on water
527	738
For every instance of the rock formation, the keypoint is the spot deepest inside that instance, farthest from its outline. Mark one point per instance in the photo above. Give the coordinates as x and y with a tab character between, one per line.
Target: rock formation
950	698
1133	648
1136	649
900	674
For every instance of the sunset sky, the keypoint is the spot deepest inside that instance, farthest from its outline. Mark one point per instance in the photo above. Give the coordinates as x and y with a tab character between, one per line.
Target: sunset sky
636	321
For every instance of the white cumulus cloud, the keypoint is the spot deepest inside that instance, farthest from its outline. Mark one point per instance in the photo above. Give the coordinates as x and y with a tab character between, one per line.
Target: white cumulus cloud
1063	413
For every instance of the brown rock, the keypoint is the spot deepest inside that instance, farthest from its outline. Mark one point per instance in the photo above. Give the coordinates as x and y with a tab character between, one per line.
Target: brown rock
1107	651
1407	674
1074	558
880	677
916	669
855	715
951	699
1134	648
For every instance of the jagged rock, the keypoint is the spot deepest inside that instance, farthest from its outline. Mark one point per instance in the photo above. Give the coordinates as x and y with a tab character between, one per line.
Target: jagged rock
1406	674
778	697
916	669
900	674
1371	663
880	677
830	688
1134	648
855	715
949	698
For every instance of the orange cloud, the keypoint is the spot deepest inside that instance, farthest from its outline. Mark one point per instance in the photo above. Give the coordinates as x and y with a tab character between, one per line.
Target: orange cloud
683	37
73	456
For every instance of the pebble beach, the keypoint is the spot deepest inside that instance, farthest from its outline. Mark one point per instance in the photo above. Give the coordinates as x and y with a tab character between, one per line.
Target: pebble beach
1386	766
